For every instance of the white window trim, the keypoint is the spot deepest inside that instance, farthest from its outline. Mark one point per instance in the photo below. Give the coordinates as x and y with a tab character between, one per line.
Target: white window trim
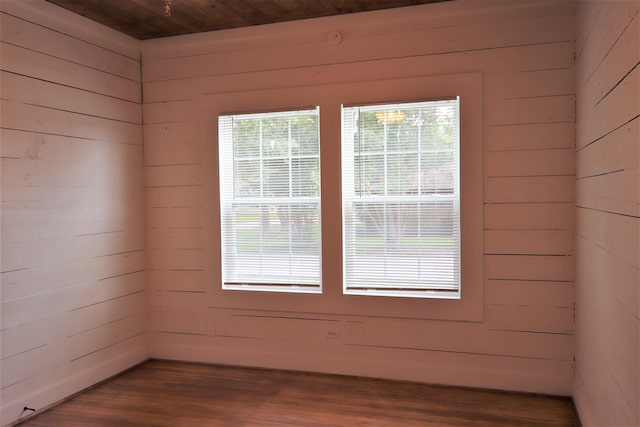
468	85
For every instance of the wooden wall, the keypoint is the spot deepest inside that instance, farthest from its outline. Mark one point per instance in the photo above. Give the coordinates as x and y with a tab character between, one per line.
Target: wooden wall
78	232
523	53
607	379
73	297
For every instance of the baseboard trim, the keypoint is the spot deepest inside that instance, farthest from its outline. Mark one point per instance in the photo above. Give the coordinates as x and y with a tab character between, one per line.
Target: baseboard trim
580	401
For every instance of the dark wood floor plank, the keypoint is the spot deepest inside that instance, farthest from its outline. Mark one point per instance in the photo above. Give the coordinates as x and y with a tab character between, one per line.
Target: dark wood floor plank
169	394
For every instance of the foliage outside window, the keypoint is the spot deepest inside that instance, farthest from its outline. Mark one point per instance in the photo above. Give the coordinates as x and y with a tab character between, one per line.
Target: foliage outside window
401	199
270	201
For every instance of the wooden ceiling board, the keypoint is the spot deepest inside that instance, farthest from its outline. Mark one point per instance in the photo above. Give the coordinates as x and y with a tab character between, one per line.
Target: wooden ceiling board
146	19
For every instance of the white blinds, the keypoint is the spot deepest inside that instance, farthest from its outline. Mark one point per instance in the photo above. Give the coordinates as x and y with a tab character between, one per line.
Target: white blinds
270	201
401	199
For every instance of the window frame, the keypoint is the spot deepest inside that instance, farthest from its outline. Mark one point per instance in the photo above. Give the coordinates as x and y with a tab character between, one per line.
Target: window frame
349	194
227	188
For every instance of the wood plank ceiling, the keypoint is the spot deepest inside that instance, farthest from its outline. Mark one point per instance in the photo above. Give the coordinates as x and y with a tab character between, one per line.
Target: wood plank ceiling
147	19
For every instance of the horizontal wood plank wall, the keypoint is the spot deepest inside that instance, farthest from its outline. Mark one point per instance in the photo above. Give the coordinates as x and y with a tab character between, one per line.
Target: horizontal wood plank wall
524	52
607	383
73	280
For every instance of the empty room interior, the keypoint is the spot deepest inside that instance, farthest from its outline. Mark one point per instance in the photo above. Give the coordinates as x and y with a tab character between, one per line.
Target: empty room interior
443	193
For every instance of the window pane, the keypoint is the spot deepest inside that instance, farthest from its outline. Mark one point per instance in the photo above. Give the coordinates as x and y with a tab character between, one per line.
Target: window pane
269	199
303	141
275	177
401	199
305	174
247	178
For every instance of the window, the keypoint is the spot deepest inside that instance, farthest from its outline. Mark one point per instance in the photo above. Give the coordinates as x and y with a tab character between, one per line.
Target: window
324	285
270	201
401	199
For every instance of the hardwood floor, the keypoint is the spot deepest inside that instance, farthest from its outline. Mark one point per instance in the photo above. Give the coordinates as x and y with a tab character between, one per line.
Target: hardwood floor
164	393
